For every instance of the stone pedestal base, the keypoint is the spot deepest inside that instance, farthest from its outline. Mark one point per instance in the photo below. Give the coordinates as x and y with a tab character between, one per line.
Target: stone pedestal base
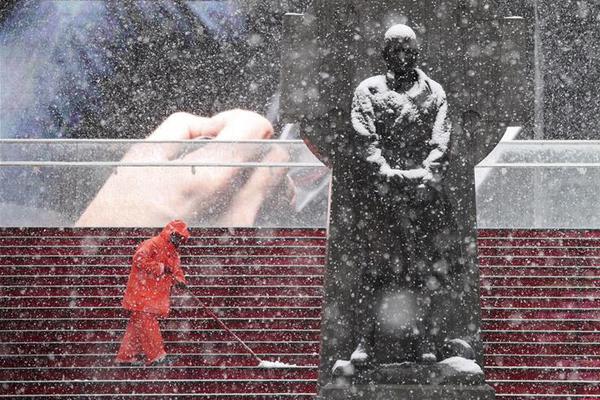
406	392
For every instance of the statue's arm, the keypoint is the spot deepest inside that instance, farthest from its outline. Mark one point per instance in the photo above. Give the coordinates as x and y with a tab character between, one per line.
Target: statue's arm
363	123
440	138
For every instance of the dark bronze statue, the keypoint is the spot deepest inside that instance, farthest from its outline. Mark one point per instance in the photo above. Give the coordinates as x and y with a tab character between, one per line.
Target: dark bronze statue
405	294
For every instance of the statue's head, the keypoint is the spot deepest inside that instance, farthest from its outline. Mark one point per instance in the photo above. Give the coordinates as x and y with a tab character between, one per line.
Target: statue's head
400	49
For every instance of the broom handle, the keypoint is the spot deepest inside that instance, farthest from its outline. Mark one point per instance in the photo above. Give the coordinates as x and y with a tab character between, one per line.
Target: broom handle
216	318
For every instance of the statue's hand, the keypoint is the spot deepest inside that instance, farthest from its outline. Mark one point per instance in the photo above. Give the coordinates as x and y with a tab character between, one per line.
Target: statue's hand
417	176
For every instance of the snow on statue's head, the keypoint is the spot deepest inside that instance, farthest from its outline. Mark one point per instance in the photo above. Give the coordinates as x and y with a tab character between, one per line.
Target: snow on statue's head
400	49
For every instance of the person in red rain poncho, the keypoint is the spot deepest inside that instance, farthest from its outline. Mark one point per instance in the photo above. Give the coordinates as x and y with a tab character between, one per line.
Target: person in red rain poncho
155	269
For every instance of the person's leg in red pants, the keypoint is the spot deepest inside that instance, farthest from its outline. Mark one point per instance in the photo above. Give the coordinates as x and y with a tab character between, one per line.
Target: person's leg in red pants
142	336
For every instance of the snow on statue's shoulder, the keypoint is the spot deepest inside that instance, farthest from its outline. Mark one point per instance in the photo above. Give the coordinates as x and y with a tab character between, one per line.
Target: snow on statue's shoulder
461	364
373	84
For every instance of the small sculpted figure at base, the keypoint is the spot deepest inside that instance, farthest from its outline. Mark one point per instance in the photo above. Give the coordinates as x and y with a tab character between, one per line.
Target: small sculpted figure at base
406	293
155	269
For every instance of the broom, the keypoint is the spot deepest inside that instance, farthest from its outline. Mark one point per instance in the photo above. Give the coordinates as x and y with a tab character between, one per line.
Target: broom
261	363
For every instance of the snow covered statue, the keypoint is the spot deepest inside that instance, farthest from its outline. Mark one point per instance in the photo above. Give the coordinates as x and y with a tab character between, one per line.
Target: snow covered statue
406	297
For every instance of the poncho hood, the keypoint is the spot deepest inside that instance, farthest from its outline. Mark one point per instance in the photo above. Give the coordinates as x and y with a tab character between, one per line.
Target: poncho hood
177	226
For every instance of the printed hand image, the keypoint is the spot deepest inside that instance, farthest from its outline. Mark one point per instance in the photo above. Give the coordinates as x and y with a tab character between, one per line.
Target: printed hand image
153	196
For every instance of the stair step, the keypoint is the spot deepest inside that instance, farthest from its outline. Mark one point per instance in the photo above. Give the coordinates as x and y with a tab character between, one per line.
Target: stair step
202	270
197	322
151	373
161	396
546	375
265	241
115	301
148	232
184	347
542	361
185	260
239	280
191	334
166	386
529	388
118	290
188	251
549	261
528	314
106	360
539	271
572	303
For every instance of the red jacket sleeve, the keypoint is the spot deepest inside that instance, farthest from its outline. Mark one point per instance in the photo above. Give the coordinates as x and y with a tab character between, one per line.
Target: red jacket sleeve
145	259
178	272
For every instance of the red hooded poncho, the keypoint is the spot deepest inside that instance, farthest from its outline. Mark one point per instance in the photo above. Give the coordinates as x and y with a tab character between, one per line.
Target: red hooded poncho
154	269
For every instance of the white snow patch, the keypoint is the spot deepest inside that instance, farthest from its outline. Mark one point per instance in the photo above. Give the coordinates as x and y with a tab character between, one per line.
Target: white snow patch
274	364
343	368
461	364
400	31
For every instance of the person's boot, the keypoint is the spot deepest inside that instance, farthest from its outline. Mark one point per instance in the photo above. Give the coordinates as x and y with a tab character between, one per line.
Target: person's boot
361	355
129	363
456	348
427	353
167	359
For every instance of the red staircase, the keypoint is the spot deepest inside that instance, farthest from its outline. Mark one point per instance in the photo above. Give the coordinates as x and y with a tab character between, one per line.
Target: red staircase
61	320
540	297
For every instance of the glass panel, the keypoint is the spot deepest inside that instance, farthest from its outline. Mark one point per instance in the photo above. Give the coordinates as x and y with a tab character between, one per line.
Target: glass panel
539	184
267	183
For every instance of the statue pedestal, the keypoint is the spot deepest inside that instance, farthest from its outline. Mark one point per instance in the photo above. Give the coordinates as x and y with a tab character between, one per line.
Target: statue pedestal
374	391
457	380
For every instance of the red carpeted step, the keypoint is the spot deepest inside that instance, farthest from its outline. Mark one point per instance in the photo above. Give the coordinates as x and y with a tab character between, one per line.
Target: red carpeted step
179	312
191	334
252	280
538	233
541	336
560	252
538	302
184	396
542	348
544	360
198	322
135	241
539	271
106	360
547	281
183	347
209	301
117	290
185	260
516	322
123	270
539	291
524	388
547	374
148	232
187	251
538	242
525	261
169	372
76	387
551	313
